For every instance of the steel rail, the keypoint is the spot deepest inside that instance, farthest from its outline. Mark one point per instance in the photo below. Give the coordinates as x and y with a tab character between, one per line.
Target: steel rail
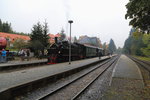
141	62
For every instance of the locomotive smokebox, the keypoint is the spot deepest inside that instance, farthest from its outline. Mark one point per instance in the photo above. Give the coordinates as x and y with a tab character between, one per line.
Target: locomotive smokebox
56	39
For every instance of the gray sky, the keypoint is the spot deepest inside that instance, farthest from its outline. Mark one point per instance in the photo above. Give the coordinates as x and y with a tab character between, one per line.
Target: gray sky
101	18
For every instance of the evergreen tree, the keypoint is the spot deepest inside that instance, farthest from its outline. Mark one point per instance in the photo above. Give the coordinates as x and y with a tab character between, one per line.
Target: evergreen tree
62	35
75	39
134	43
45	34
127	45
35	42
119	50
6	27
36	32
39	37
104	46
111	46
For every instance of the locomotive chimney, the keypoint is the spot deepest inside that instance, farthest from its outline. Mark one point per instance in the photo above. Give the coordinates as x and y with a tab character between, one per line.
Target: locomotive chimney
56	39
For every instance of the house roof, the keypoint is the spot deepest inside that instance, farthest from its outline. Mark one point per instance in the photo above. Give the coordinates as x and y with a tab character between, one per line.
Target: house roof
89	40
14	36
17	36
54	35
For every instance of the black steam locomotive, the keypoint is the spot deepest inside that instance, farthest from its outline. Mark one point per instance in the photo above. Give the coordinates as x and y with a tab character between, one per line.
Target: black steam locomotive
59	52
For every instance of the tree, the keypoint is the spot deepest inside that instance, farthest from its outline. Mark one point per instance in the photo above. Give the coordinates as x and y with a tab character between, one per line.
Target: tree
19	44
39	37
127	45
111	46
104	46
134	43
6	27
62	35
45	35
75	39
146	40
119	50
139	13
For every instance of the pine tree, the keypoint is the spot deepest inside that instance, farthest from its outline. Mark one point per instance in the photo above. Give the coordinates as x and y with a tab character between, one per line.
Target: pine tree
111	46
62	35
36	38
75	39
39	37
6	27
45	34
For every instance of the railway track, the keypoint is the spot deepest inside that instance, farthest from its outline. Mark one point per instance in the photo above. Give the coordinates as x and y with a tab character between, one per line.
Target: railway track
144	64
73	89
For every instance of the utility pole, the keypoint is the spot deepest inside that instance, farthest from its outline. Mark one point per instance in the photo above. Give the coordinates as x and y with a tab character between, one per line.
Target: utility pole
70	22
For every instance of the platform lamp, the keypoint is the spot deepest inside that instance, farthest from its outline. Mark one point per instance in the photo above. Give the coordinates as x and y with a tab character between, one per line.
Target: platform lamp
70	22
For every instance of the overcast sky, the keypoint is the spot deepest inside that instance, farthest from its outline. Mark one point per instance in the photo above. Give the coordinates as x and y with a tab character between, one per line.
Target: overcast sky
104	19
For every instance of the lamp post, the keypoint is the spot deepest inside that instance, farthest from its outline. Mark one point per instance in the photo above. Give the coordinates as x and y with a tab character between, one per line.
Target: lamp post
70	22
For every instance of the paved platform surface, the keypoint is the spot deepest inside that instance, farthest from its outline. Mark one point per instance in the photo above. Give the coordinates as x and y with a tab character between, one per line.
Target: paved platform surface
127	82
12	63
126	68
12	79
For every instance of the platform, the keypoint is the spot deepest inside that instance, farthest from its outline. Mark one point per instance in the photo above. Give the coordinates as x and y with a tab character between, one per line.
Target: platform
126	82
17	78
18	63
126	68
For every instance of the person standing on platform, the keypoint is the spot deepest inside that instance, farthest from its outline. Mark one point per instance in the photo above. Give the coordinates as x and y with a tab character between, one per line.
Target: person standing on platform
28	54
3	55
40	54
99	54
22	54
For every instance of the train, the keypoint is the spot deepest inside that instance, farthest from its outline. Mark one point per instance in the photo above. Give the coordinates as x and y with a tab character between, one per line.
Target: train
59	52
3	43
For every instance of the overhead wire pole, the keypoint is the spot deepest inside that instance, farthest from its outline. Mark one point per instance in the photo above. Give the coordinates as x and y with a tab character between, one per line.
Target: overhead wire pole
70	21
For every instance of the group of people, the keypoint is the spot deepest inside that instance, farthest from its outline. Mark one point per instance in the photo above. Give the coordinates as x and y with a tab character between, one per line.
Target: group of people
3	55
24	54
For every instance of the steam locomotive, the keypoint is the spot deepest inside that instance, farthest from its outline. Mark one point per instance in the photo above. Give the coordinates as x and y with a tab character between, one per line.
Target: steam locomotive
59	52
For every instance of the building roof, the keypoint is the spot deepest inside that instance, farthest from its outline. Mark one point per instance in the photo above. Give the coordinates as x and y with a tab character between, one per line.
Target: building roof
52	37
14	36
94	41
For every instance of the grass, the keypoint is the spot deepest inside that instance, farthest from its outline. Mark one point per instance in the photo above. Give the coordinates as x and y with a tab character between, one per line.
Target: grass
143	58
